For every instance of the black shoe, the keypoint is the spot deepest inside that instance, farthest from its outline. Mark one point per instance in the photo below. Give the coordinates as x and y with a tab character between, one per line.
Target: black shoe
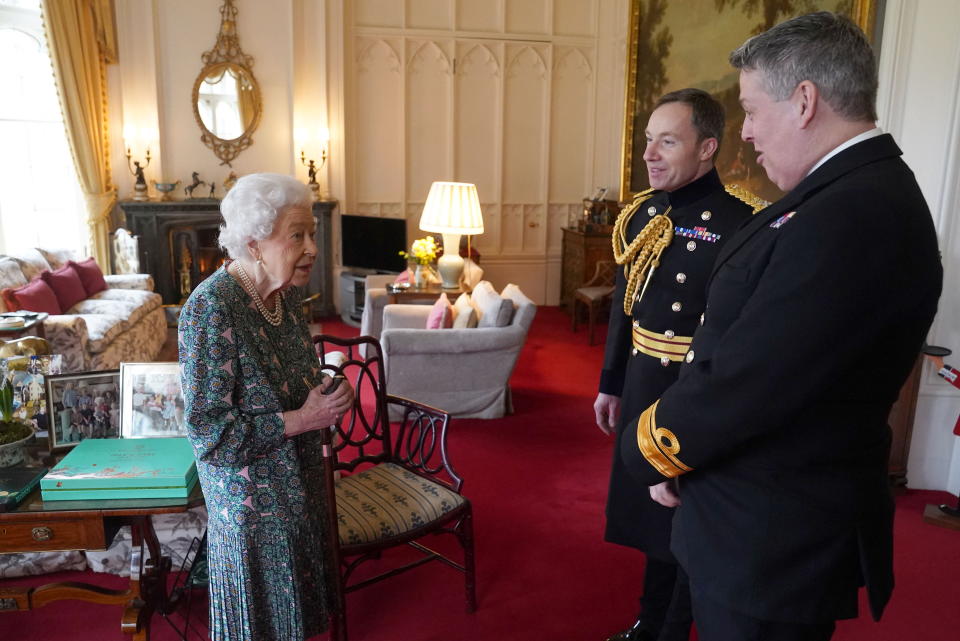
634	633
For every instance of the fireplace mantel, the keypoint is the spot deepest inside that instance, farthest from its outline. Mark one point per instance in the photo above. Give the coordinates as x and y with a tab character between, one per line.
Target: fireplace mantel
166	229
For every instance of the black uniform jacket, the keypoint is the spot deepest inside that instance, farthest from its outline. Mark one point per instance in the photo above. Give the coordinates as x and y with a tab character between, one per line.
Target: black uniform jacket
704	217
816	313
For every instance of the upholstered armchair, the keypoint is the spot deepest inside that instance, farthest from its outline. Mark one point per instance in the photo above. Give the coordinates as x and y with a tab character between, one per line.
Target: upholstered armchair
465	372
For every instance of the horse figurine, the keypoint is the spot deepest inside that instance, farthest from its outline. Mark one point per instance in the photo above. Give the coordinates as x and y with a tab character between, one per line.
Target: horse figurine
188	190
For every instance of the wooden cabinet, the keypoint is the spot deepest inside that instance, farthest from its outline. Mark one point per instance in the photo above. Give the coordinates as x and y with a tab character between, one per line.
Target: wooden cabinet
581	252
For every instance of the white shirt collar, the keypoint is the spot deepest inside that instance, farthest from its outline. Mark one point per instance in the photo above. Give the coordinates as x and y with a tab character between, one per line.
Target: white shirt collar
867	135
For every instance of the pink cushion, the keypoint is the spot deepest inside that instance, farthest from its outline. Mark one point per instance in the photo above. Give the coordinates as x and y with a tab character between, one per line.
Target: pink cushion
35	296
441	314
90	275
66	284
403	277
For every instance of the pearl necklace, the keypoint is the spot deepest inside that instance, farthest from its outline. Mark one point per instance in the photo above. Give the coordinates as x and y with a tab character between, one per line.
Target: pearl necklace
274	317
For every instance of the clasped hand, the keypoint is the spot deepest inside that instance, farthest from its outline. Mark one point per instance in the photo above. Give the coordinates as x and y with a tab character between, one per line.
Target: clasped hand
320	410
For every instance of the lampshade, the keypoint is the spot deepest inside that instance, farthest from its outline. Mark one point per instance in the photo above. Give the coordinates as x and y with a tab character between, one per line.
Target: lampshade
452	208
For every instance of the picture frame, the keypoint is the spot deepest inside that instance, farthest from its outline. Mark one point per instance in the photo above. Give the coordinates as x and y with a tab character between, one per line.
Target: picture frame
83	405
151	400
671	47
26	376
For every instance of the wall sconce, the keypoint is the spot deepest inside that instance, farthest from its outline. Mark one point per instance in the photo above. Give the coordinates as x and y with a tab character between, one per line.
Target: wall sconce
312	169
140	186
312	166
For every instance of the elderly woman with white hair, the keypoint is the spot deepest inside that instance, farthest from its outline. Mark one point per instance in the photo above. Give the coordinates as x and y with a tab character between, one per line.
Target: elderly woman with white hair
253	389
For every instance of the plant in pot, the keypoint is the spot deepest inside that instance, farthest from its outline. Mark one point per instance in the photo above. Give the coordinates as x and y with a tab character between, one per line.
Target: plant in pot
14	432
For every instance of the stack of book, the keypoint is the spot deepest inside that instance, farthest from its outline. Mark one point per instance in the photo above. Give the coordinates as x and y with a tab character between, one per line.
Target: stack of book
16	482
141	468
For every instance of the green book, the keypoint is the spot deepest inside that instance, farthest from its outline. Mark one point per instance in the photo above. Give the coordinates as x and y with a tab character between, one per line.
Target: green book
16	482
109	468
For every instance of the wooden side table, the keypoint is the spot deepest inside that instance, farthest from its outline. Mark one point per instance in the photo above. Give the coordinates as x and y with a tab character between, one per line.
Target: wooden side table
31	327
428	293
36	526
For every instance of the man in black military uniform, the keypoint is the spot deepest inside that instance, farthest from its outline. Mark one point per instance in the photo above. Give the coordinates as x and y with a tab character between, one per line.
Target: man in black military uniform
666	241
816	312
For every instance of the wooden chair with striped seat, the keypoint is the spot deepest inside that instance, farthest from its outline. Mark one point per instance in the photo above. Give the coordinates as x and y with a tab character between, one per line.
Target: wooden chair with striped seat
394	484
595	294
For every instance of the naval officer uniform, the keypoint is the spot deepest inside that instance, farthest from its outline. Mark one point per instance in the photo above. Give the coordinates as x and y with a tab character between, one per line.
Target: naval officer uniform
648	339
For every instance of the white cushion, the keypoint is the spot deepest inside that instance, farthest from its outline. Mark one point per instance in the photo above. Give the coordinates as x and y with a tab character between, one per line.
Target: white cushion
493	309
466	314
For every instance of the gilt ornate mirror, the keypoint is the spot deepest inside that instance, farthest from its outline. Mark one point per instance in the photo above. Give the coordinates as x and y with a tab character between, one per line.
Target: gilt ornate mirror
226	96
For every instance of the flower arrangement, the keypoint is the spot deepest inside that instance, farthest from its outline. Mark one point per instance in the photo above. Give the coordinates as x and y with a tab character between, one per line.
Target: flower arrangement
423	252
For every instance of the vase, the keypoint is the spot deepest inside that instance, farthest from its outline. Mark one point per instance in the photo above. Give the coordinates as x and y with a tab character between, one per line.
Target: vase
420	279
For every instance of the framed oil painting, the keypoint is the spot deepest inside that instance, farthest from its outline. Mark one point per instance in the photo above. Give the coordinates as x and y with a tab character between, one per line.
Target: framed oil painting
673	45
151	402
83	405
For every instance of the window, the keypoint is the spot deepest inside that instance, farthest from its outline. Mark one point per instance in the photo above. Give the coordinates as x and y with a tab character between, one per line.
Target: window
41	204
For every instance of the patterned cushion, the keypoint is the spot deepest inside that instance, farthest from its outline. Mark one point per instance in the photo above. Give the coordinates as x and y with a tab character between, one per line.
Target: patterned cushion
57	258
31	263
387	500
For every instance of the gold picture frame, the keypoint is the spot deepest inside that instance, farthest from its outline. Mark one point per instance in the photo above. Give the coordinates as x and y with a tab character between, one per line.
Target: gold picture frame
672	46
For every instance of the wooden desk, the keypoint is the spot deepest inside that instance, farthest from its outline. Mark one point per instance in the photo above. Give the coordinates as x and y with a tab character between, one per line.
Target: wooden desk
36	526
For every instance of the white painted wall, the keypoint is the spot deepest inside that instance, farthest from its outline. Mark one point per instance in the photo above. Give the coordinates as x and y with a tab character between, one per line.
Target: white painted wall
301	50
919	103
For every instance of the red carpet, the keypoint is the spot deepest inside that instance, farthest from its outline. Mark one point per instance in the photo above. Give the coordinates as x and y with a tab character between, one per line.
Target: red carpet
538	481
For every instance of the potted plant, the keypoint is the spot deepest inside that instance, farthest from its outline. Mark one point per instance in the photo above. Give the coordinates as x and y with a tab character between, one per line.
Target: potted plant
14	432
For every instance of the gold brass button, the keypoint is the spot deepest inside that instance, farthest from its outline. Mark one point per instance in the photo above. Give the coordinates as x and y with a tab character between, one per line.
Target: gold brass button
651	210
676	307
664	361
706	215
691	245
689	357
636	323
635	350
681	278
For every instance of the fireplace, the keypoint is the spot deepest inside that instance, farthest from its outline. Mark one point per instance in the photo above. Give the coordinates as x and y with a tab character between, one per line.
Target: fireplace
178	246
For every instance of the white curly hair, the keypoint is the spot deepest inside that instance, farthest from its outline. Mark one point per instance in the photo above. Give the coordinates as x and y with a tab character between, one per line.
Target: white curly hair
252	205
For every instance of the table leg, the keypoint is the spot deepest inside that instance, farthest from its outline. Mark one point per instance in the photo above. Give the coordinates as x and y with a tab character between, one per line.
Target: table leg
148	580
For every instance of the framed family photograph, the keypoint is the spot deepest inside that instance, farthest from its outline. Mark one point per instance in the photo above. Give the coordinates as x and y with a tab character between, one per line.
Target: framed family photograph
83	405
151	402
672	47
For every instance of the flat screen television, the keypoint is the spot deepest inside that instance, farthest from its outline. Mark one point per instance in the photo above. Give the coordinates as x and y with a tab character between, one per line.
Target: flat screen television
373	243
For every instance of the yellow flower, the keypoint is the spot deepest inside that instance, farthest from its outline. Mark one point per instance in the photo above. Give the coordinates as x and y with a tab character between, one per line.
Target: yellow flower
423	251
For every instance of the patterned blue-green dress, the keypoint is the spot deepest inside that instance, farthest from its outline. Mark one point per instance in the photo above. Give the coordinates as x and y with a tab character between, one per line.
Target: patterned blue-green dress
265	540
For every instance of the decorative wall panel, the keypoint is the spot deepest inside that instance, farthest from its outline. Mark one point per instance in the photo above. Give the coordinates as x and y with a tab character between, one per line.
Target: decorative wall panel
477	118
429	14
378	135
528	16
479	16
524	127
429	85
574	17
570	144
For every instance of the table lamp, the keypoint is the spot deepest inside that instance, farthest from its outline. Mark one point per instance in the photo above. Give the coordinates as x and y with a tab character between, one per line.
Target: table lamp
452	209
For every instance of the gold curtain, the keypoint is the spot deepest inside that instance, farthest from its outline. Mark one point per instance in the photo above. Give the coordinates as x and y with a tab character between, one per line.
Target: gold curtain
81	40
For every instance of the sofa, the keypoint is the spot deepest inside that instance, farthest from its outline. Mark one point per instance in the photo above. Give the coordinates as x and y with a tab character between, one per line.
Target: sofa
464	371
122	321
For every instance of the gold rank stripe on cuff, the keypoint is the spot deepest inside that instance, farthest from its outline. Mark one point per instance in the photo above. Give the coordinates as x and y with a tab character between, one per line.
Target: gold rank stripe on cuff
660	345
659	445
